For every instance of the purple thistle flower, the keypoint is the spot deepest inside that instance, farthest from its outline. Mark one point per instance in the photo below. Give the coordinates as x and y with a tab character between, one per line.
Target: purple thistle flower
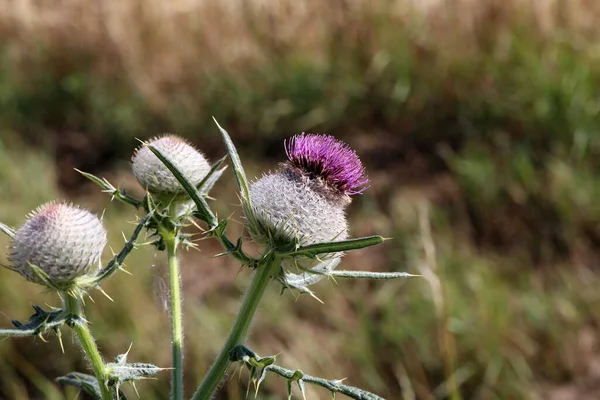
330	159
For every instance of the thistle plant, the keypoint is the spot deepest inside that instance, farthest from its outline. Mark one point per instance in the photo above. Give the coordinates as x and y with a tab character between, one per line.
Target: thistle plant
297	214
59	246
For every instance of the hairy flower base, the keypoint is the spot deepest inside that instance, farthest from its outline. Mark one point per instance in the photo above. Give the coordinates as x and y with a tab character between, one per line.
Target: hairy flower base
156	177
288	208
63	241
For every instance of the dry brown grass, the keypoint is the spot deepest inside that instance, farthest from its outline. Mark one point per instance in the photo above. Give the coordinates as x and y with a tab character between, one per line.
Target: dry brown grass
163	45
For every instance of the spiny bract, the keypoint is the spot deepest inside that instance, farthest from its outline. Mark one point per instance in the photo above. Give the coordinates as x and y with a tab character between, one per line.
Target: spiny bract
64	241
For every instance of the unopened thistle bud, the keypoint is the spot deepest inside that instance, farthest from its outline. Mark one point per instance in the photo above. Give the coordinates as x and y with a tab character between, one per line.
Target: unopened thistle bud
154	176
305	200
64	241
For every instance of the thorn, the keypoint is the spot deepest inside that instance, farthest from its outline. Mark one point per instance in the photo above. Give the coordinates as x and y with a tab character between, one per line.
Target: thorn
131	345
135	388
104	293
239	371
314	296
62	347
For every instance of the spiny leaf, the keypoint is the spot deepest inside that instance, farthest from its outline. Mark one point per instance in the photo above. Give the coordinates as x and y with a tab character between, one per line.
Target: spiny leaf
124	372
314	250
334	386
310	276
371	275
239	172
85	382
43	277
109	188
213	176
40	322
118	260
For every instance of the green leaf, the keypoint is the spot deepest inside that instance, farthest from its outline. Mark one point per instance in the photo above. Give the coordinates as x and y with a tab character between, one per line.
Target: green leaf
40	322
119	259
314	250
203	211
109	188
85	382
88	384
212	177
239	172
44	278
250	359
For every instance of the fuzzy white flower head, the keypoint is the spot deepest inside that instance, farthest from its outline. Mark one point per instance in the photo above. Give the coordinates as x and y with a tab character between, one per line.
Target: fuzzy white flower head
64	241
288	207
153	175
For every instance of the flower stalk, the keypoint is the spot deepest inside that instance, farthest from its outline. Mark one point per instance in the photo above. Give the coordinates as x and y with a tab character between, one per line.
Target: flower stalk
73	308
263	275
175	307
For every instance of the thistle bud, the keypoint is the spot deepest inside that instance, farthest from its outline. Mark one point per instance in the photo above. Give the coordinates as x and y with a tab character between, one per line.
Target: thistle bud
154	176
305	200
64	241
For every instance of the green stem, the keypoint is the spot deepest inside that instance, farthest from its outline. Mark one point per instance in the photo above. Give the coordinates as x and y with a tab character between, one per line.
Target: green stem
80	326
176	319
240	327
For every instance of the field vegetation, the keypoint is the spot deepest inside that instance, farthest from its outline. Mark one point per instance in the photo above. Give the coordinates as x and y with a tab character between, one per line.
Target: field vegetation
479	125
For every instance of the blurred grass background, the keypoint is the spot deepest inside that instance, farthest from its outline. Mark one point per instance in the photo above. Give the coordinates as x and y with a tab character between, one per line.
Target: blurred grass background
478	122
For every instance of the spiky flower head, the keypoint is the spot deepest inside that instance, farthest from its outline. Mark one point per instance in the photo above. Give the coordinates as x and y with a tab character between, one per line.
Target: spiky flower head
332	160
156	177
62	240
304	202
289	207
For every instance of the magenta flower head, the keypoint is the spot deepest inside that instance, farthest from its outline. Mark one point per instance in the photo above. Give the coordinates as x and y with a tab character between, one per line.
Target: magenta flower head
62	240
304	202
329	159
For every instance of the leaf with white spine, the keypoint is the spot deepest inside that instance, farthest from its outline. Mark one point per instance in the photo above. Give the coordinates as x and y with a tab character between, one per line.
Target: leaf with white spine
212	177
239	172
311	276
125	372
314	250
110	189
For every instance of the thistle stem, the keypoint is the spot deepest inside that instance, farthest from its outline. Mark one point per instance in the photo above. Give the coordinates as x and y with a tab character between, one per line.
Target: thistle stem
79	324
176	319
238	332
